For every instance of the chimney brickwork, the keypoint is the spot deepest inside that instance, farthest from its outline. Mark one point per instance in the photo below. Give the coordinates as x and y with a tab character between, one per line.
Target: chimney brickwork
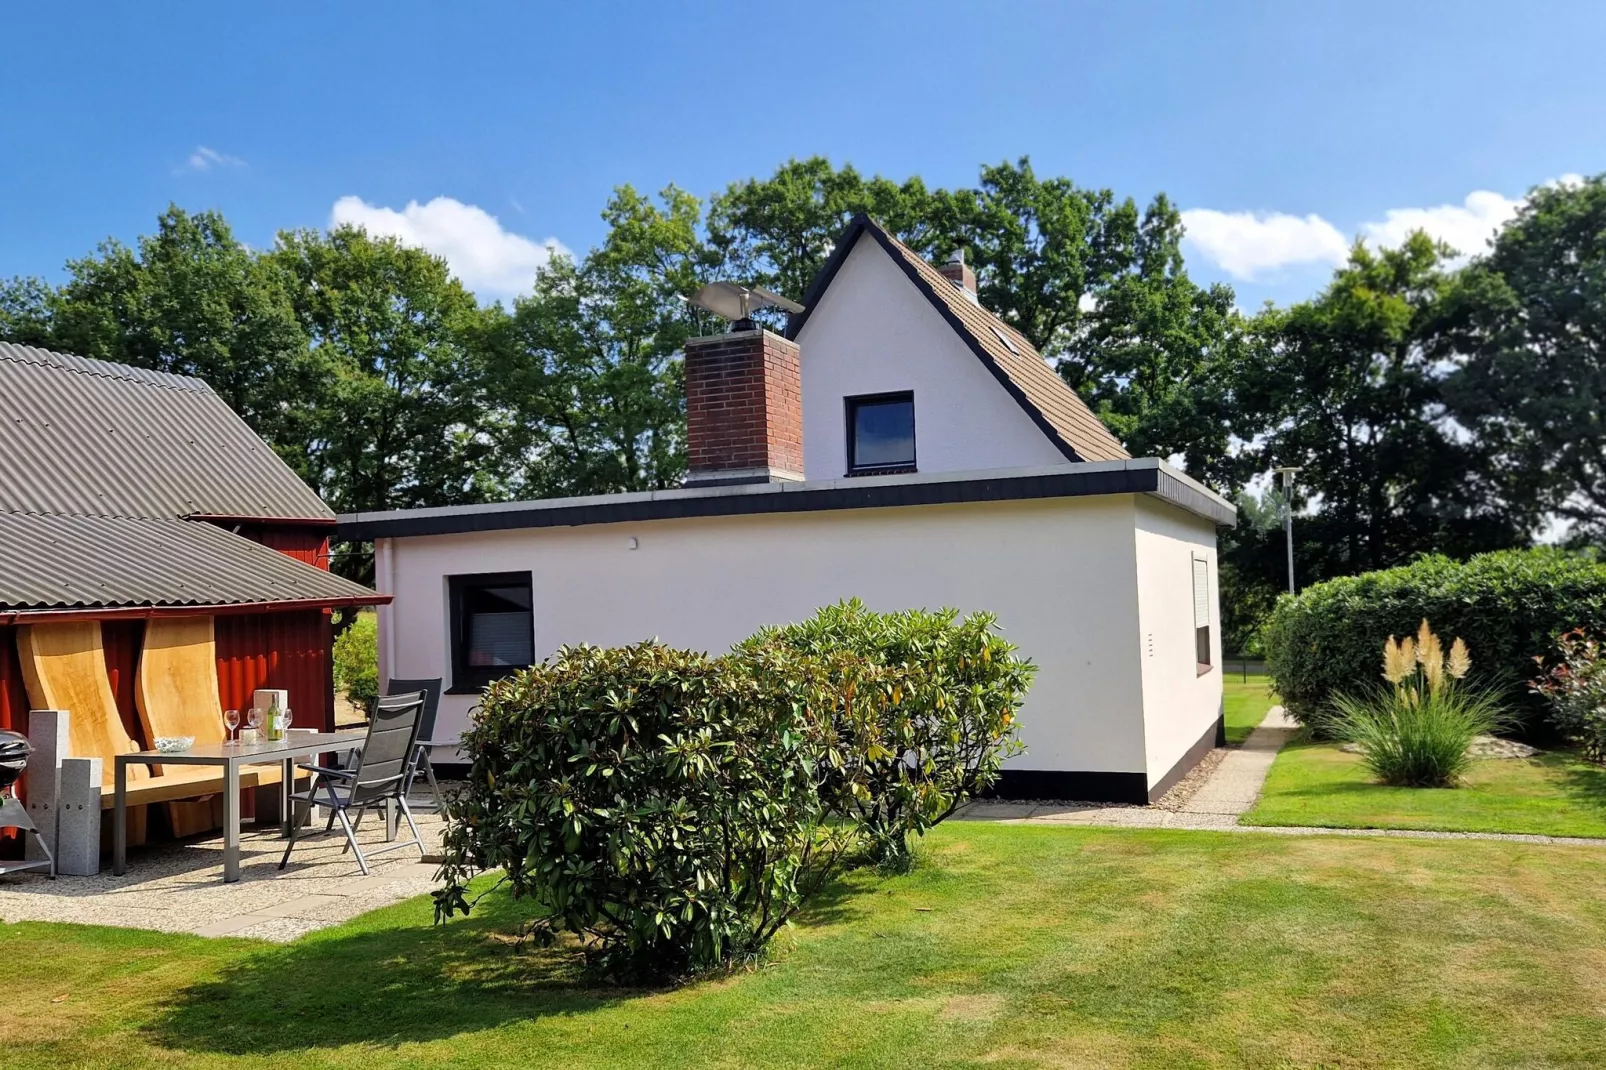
958	272
744	409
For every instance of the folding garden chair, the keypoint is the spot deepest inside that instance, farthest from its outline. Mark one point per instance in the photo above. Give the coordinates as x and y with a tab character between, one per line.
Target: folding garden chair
380	776
426	741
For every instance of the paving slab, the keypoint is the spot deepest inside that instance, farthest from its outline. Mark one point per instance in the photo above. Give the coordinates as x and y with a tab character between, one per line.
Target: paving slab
1235	785
305	906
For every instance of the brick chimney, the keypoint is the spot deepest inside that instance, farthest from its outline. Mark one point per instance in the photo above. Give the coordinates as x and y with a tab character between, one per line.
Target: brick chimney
958	272
744	409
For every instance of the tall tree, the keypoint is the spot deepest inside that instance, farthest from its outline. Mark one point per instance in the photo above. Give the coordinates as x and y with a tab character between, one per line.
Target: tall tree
1161	358
589	394
25	311
1356	401
1044	249
1527	325
395	421
778	231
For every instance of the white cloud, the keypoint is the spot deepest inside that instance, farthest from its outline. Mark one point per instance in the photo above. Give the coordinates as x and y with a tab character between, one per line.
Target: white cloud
204	159
1465	227
1249	244
488	258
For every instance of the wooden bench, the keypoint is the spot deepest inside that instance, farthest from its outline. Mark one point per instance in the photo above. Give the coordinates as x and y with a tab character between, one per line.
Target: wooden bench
176	694
64	668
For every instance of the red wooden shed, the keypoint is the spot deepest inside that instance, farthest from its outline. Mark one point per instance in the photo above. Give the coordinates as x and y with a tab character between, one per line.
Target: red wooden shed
127	494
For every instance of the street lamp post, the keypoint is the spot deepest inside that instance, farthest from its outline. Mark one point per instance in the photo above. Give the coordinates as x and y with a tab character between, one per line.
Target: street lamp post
1288	475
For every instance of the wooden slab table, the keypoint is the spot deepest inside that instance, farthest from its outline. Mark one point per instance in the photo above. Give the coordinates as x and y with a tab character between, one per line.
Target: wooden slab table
230	757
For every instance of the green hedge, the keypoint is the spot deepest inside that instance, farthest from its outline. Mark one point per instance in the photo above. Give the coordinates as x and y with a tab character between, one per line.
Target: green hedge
1508	606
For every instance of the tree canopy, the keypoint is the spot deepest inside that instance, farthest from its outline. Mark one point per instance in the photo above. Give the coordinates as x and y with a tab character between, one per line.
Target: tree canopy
1432	407
1526	325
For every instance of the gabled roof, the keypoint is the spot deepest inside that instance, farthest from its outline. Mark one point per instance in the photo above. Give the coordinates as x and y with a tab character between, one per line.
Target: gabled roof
90	438
1057	410
108	474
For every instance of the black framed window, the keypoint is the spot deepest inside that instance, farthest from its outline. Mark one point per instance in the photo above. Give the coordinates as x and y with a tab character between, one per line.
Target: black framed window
493	627
881	434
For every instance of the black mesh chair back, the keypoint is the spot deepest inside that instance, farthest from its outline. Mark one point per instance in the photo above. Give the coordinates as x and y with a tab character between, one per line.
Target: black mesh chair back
432	701
388	751
426	733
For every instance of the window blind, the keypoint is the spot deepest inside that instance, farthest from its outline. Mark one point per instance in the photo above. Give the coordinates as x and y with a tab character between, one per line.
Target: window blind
1201	592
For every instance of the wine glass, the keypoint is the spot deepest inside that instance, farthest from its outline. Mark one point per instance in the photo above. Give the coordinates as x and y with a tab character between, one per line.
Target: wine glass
254	718
231	718
285	718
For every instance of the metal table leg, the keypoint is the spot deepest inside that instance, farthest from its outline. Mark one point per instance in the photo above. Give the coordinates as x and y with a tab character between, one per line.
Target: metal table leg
120	818
231	823
287	785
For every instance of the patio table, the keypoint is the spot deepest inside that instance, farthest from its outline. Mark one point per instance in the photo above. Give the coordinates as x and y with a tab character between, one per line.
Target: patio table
230	757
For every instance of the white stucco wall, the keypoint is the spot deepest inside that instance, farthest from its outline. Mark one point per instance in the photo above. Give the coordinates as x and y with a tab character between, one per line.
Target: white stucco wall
1179	704
1061	574
874	333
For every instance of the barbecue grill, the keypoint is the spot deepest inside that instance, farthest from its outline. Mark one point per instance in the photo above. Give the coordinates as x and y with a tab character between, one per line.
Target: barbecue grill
14	751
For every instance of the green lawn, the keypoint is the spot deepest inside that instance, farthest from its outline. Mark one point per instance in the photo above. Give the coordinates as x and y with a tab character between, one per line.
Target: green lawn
1008	946
1318	784
1245	705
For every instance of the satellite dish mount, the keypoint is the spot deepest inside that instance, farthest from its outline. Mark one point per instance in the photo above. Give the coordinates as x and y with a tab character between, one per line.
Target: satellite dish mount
734	302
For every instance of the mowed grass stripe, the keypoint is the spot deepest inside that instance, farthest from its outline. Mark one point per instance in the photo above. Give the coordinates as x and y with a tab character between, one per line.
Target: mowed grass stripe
1007	946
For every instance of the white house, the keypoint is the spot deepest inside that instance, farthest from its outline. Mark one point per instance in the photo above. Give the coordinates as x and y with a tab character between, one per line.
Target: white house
903	445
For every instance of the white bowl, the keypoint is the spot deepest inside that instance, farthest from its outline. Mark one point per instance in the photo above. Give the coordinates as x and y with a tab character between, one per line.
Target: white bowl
174	744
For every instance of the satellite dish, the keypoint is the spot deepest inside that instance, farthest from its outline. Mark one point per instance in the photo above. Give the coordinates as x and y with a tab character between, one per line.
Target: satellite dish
734	302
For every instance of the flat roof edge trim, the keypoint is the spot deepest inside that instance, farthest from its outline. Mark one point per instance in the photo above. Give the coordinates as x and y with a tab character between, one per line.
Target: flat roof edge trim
1141	476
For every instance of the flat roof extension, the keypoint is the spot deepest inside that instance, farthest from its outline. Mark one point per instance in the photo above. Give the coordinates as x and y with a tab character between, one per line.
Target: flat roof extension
1138	476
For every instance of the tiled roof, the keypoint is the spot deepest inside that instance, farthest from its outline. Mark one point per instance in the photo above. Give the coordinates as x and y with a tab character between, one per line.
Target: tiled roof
50	562
89	438
1057	409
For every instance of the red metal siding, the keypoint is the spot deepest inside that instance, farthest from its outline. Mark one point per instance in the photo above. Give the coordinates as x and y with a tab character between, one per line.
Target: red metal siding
278	650
281	650
13	715
13	694
307	544
123	640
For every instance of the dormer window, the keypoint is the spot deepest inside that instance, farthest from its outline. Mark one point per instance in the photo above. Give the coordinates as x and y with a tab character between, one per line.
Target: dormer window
881	434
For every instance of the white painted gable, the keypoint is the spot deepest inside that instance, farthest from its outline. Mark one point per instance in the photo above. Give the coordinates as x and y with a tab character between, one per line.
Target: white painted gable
872	332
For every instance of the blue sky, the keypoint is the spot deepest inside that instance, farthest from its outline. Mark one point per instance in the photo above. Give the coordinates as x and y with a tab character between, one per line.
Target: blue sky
1284	129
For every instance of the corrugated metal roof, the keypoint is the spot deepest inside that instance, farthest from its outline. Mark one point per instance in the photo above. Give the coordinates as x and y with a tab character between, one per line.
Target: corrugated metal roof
90	438
83	562
1060	411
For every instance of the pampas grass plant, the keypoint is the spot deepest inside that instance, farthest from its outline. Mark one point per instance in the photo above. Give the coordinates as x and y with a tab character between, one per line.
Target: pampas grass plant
1415	732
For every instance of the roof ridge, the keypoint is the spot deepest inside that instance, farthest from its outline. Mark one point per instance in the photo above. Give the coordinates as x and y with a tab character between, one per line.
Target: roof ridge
19	353
1058	410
